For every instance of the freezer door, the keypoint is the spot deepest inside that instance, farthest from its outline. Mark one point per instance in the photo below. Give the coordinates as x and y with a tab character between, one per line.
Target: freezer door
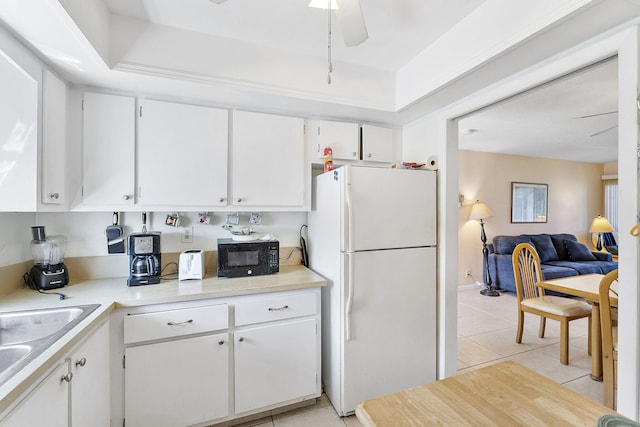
389	327
388	208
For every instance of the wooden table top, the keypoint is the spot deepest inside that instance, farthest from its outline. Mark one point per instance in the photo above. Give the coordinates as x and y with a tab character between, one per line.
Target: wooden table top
585	286
505	394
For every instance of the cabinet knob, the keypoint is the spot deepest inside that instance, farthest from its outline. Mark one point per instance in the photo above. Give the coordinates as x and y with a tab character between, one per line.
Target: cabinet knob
354	154
221	199
221	342
239	200
81	362
126	197
369	155
54	196
241	339
67	377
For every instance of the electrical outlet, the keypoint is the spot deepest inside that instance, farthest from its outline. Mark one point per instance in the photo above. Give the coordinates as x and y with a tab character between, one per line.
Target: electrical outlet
467	272
187	235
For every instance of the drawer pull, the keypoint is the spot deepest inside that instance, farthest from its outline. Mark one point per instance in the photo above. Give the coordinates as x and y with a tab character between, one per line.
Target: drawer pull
241	339
284	307
179	323
221	342
81	362
67	377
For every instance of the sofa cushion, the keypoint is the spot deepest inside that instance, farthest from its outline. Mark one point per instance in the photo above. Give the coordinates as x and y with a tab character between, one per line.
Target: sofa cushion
552	271
578	252
544	247
558	243
504	245
580	267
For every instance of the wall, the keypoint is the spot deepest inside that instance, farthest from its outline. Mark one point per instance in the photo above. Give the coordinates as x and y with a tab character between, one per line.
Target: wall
575	198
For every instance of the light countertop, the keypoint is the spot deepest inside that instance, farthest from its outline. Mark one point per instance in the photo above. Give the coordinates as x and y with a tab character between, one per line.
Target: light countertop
114	293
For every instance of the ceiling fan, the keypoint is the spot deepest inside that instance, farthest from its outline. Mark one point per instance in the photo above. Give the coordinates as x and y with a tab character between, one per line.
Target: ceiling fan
350	18
349	14
597	115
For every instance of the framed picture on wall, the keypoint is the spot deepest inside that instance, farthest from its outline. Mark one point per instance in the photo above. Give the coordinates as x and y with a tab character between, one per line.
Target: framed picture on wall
528	202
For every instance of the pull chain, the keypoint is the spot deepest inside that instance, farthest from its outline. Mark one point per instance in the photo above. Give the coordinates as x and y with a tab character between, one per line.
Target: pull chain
329	41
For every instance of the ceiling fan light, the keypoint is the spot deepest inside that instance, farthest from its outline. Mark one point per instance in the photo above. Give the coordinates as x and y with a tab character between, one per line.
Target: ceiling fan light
322	4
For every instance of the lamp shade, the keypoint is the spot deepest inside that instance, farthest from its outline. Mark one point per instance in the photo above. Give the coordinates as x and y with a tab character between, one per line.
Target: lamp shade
600	225
480	210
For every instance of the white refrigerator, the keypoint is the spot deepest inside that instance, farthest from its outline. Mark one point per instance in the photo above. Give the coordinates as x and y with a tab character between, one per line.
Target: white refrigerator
372	235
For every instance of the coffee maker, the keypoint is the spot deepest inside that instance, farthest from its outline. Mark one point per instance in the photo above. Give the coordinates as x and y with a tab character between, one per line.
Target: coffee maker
144	259
48	271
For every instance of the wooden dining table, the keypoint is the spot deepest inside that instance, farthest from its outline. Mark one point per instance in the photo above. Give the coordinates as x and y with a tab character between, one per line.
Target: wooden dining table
504	394
586	286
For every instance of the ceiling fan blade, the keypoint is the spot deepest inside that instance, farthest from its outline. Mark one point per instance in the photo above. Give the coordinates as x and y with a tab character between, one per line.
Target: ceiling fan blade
354	30
596	115
604	130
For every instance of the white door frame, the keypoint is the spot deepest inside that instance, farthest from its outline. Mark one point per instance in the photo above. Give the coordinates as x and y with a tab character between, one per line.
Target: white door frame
626	45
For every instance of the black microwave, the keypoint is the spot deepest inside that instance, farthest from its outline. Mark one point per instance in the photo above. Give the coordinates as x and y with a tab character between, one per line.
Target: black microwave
254	258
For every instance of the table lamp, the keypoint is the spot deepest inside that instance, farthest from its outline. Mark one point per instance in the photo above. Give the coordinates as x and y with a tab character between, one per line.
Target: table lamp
480	211
600	225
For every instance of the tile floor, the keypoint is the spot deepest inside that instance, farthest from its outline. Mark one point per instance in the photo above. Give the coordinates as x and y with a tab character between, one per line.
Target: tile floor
486	335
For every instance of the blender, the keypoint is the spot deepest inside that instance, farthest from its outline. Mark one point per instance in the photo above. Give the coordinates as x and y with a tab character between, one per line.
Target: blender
48	271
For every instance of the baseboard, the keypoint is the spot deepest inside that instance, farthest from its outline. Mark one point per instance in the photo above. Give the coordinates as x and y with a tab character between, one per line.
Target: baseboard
476	285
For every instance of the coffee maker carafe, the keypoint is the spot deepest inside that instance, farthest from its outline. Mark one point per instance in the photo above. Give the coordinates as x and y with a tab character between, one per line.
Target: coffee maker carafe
48	271
144	259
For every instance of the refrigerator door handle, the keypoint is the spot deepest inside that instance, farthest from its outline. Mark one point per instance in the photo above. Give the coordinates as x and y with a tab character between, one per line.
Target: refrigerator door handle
349	304
349	222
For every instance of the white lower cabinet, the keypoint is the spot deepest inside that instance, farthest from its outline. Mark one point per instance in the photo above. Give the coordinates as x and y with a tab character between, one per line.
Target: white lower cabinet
192	364
46	405
90	392
275	364
75	393
177	383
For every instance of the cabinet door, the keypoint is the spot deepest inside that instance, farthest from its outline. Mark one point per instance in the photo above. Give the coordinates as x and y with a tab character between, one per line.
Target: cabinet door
90	393
377	144
268	160
108	143
54	151
343	138
275	364
177	383
47	405
182	154
18	137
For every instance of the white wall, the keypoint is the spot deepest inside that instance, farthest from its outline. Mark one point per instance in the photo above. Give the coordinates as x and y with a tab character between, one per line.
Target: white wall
85	231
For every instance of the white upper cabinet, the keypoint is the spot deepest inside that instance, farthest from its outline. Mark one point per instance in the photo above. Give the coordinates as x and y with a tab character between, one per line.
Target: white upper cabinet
182	154
108	142
377	144
343	138
18	138
268	161
54	133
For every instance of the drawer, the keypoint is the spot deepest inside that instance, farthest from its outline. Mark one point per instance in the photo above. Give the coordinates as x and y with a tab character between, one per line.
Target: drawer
175	323
276	308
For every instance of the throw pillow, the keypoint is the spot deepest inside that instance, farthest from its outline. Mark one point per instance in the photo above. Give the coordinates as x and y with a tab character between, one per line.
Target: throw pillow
544	246
504	245
558	243
579	252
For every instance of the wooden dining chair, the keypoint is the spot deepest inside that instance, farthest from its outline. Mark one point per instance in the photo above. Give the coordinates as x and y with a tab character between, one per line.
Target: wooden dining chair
609	328
531	299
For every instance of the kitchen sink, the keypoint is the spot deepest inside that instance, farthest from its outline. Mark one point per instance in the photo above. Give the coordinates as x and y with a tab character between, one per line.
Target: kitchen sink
24	326
26	334
10	354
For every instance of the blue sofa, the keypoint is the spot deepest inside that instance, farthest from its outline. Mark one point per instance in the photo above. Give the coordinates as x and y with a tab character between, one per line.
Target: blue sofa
561	255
